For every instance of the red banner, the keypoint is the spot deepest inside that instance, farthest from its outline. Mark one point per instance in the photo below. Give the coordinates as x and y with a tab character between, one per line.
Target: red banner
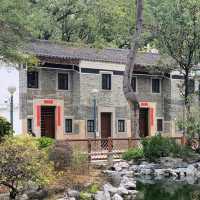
152	116
38	114
58	116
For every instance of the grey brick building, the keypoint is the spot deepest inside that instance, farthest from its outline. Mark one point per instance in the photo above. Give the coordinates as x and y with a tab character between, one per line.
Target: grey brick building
57	98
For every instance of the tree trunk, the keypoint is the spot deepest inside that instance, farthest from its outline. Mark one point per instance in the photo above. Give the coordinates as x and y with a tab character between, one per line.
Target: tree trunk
186	95
127	88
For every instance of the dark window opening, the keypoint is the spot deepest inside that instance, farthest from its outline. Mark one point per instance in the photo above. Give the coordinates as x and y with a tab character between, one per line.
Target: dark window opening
32	79
90	126
63	81
121	125
68	125
159	125
29	126
133	83
106	81
191	86
156	85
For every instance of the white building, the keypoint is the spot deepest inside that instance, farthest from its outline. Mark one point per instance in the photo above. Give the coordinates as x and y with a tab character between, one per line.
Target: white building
9	76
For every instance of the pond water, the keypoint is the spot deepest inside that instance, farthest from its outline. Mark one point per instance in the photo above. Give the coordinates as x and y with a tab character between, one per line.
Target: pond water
167	190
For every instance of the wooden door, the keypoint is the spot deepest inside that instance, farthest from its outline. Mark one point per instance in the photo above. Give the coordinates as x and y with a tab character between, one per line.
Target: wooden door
48	121
105	125
143	122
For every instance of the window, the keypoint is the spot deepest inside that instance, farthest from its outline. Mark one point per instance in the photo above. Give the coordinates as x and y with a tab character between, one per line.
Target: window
191	86
90	126
106	81
155	85
63	81
32	79
68	125
133	83
29	125
159	125
121	125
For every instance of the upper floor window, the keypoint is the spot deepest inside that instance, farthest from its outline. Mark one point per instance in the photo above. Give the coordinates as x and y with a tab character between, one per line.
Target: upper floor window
133	83
155	85
32	79
63	81
106	81
191	86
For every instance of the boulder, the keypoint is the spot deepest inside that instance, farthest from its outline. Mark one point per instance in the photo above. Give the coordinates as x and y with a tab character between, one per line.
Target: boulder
117	197
100	196
37	194
73	193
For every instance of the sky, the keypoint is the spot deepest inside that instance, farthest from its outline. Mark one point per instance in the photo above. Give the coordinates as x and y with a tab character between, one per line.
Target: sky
9	76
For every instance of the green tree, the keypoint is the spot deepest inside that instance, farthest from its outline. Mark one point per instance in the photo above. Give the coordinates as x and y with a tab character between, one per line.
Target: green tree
22	163
177	27
5	128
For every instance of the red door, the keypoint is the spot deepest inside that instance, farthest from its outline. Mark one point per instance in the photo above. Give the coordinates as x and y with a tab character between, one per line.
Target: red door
143	122
48	121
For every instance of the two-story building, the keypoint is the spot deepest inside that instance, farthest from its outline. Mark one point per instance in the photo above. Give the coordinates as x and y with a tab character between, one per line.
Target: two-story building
57	97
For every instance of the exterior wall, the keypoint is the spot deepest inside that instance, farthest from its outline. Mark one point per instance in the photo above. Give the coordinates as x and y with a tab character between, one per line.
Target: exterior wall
77	104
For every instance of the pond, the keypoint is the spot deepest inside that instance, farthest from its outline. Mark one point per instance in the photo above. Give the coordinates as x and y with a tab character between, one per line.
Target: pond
167	190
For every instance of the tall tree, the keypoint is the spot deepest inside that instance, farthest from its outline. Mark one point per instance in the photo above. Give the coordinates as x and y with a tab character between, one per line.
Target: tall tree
178	35
127	88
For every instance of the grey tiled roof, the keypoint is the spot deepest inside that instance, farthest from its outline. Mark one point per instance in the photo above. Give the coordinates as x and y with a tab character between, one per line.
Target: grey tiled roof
55	50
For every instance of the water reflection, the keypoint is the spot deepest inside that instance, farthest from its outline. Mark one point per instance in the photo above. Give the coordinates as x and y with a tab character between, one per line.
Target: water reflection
167	190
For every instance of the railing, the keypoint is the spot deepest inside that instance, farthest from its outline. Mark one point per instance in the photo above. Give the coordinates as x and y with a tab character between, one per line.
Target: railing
99	149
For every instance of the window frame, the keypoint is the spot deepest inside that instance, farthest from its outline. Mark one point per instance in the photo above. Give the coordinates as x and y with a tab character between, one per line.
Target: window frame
153	92
30	118
136	84
65	127
37	85
159	118
118	127
106	73
93	130
68	81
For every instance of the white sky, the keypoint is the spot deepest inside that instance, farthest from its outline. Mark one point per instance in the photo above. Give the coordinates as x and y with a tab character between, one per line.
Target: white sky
9	76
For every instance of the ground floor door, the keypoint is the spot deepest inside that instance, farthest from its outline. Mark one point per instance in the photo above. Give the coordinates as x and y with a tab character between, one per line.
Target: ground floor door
144	122
48	121
105	125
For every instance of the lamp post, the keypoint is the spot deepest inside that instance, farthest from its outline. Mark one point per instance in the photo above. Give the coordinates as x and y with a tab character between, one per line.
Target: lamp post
11	90
94	94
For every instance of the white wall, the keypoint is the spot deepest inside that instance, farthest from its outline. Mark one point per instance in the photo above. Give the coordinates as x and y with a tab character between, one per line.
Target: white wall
9	76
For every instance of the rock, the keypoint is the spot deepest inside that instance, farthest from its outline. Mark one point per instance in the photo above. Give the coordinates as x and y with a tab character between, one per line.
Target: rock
168	162
108	187
117	197
73	193
100	196
120	165
23	197
115	179
128	183
122	191
191	170
106	193
39	194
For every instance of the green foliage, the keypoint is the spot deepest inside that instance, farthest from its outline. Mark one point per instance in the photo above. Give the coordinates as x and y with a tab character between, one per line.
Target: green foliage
158	146
133	154
79	161
93	188
85	196
5	128
45	142
22	163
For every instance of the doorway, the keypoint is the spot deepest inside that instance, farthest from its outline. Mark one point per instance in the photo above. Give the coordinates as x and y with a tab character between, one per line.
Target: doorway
48	121
105	125
144	122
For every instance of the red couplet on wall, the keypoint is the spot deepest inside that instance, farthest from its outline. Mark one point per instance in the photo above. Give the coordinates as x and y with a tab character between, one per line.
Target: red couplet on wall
58	116
152	116
38	113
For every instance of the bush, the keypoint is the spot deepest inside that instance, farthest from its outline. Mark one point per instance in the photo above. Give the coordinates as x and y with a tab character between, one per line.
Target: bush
158	146
45	142
22	164
133	154
5	128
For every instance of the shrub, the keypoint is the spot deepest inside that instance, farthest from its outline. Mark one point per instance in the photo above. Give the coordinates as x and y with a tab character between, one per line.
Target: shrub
133	154
22	163
158	146
45	142
61	154
5	128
